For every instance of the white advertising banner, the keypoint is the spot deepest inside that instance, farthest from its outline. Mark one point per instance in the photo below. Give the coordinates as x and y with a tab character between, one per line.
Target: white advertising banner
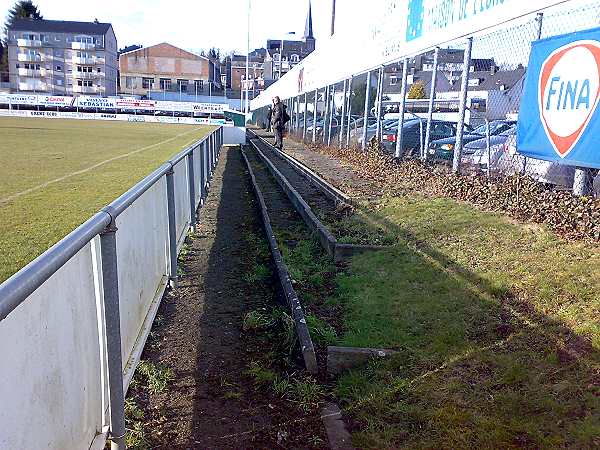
390	31
55	100
95	102
134	103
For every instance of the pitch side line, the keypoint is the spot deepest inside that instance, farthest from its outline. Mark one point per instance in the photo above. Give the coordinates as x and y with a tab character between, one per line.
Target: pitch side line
79	172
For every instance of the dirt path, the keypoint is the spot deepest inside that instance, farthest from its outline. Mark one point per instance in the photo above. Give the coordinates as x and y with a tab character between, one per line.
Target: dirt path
209	404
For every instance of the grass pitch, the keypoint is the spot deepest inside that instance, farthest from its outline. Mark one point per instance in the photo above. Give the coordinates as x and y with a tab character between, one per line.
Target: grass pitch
57	173
497	330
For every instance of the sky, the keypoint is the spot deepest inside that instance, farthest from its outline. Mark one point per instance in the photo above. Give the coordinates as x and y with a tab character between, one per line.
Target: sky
193	24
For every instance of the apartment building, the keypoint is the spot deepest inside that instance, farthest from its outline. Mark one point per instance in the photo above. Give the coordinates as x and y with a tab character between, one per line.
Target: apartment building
62	57
167	68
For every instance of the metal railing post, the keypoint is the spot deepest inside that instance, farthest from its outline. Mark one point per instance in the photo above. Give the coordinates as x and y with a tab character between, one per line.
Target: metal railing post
314	125
110	286
192	189
172	228
348	127
402	110
305	117
462	107
331	114
201	149
326	116
431	103
343	116
366	112
378	100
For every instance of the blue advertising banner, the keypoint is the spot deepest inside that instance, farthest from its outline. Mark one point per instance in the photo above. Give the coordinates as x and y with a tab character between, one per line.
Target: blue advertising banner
558	120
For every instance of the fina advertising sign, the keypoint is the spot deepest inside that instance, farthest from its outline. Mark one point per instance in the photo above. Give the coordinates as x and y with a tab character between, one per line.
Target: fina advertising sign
558	119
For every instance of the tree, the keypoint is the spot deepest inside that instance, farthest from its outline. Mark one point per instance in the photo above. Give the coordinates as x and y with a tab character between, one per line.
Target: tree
417	91
23	9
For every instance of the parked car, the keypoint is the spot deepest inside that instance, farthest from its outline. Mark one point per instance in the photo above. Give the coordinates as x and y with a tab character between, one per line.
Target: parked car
505	159
475	152
372	129
413	134
443	149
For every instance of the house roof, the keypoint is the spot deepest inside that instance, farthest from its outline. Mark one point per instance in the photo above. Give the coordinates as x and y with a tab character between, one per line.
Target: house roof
60	26
164	49
489	81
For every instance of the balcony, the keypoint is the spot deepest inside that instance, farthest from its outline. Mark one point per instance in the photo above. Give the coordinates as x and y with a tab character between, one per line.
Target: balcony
26	57
28	43
86	89
83	46
88	75
84	61
31	86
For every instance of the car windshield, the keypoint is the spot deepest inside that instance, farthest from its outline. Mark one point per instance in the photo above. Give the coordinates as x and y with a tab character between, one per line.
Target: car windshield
512	130
495	127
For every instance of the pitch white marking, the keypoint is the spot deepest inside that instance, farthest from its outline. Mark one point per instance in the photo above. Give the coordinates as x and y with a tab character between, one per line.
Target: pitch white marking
79	172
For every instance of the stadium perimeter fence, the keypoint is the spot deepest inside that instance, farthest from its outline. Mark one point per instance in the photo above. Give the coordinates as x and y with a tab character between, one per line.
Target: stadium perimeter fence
74	321
500	53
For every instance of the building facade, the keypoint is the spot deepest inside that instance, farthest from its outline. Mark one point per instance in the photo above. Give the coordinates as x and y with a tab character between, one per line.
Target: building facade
62	57
167	68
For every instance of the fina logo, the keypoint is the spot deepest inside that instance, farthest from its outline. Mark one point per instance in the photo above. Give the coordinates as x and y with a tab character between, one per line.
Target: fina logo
568	93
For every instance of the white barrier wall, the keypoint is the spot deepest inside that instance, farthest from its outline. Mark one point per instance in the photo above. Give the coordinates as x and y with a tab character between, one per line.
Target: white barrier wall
53	384
54	389
143	248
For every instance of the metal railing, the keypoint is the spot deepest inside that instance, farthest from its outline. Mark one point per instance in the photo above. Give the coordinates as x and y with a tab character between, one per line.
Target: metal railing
71	318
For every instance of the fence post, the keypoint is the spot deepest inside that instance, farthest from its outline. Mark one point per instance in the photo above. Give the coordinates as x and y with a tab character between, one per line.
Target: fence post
314	125
201	150
366	112
378	103
172	227
331	114
583	181
304	117
402	110
192	188
343	116
326	115
431	103
462	107
110	287
349	111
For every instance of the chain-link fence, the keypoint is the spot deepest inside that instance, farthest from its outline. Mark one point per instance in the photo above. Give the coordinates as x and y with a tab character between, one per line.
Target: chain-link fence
454	106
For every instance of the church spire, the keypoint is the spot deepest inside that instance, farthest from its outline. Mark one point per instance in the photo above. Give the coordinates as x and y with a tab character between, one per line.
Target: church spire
308	30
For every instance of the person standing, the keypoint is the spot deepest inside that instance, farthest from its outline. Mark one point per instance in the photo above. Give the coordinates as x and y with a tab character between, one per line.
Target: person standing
279	117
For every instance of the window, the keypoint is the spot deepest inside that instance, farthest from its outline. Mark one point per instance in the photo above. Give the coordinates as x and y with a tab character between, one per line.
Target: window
393	80
294	58
31	37
198	85
43	38
84	83
276	57
59	82
165	84
147	83
84	69
182	85
83	55
130	83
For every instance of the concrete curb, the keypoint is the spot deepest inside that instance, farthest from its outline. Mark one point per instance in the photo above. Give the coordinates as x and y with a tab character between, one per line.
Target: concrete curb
338	252
337	435
327	188
306	345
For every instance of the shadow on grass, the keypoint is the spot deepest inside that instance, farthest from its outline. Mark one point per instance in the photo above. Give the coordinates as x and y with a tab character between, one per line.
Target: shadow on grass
478	365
